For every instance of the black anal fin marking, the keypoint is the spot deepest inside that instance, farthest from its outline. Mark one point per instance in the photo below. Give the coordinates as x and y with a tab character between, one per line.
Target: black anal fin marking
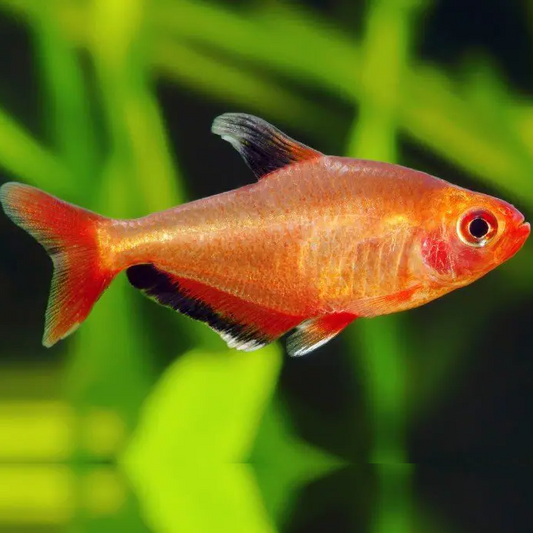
264	148
243	325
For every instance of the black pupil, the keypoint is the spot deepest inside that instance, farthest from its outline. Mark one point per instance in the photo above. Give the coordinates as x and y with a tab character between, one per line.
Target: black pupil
478	228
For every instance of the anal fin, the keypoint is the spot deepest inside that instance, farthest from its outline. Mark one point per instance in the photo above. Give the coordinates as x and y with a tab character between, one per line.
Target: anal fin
317	331
243	325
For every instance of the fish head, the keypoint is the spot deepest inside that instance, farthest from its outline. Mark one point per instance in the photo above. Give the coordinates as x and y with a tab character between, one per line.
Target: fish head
469	234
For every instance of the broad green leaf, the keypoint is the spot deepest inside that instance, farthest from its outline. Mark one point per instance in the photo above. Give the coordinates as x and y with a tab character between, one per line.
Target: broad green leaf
197	425
177	496
207	406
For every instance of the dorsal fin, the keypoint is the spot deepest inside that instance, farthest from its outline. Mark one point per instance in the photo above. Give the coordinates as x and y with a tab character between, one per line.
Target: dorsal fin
263	147
243	325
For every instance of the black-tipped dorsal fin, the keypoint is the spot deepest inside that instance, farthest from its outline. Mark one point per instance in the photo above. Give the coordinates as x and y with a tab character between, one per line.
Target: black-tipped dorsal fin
263	147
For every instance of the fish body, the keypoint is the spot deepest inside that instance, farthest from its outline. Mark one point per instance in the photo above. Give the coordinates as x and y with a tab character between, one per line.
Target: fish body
313	242
317	242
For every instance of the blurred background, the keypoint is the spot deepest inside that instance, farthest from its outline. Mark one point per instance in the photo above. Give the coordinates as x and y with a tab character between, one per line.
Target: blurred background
143	421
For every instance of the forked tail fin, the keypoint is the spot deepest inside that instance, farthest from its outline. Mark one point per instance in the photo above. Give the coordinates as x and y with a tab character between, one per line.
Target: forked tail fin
70	236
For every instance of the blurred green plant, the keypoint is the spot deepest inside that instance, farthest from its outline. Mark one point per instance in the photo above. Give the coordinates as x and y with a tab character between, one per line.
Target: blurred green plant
196	461
195	430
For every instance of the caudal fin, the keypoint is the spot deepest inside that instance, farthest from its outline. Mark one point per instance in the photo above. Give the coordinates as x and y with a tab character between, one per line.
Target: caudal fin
70	236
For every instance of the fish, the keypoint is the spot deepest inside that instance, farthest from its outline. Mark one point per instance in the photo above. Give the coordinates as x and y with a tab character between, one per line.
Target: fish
315	243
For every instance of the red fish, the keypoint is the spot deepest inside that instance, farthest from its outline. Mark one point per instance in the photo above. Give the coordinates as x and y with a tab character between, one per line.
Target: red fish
317	242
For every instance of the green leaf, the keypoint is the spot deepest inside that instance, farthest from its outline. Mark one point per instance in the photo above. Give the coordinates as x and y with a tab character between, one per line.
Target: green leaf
198	423
208	406
182	497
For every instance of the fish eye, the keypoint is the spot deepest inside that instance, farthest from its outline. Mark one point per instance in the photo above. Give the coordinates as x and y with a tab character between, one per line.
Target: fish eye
477	227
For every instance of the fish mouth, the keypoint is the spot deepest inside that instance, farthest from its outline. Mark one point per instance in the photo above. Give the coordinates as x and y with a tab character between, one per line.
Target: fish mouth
524	227
520	236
